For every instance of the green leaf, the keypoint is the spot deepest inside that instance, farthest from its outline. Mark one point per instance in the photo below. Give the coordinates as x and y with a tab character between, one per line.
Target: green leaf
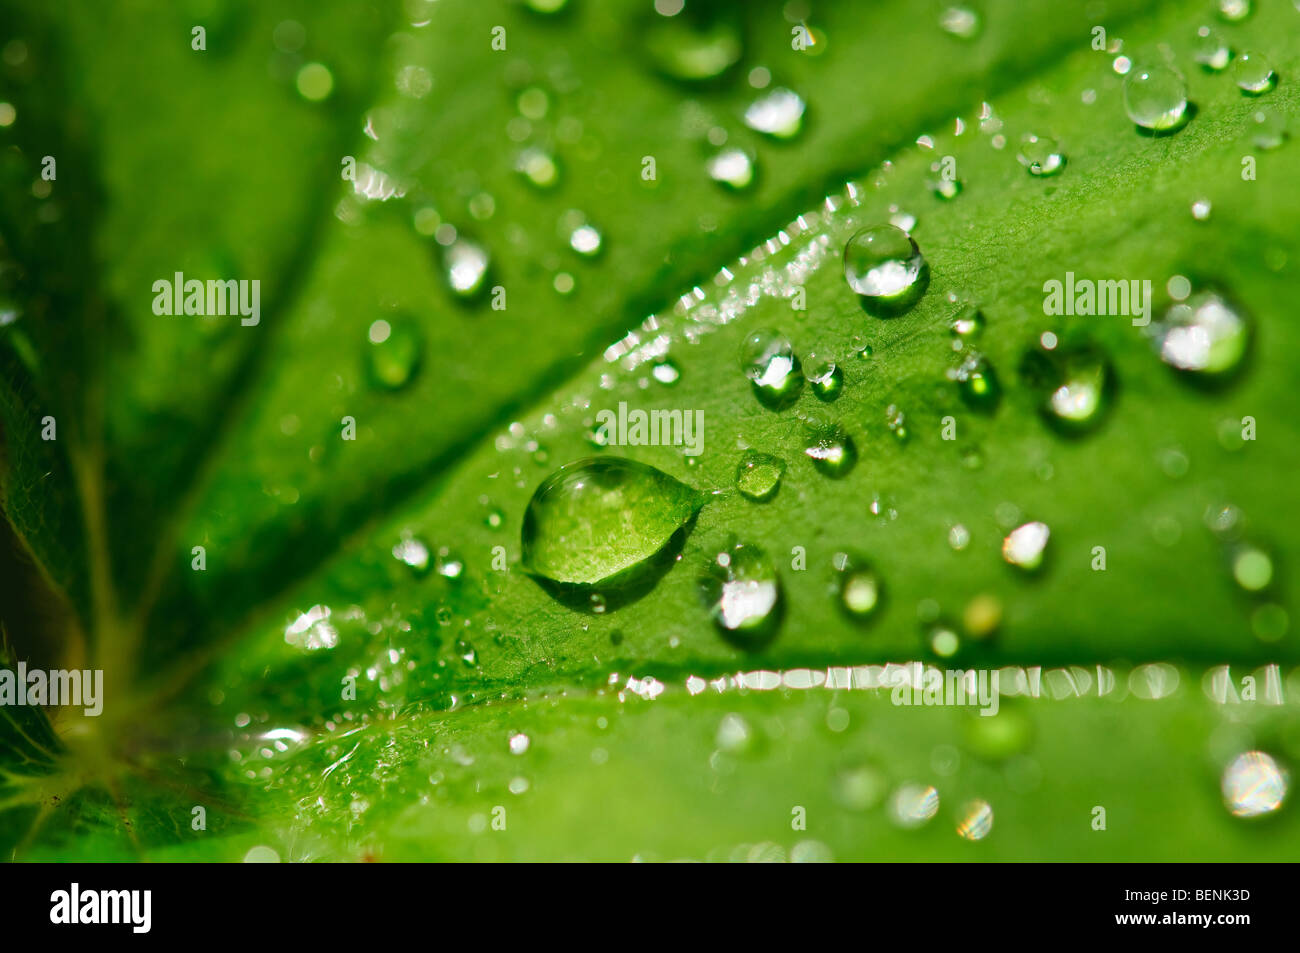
322	693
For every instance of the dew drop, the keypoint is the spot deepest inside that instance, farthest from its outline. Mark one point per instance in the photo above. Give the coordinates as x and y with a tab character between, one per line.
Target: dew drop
1075	384
1156	98
912	805
1270	130
777	113
976	820
896	421
1234	10
1253	785
733	168
946	189
394	352
315	82
859	588
1203	336
883	264
1025	545
968	323
734	734
774	372
961	22
1252	568
586	240
538	167
465	264
830	448
1253	73
1041	155
601	521
695	45
666	372
826	378
977	382
758	476
743	594
1211	50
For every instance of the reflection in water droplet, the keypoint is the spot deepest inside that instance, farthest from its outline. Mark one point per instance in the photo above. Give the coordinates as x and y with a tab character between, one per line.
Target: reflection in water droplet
743	594
976	820
896	421
1041	155
1156	98
1234	10
586	240
466	267
774	373
1253	73
666	372
1254	785
1269	131
1024	546
1211	50
394	352
448	564
883	264
913	805
602	520
830	448
777	113
1201	209
1203	335
733	168
758	475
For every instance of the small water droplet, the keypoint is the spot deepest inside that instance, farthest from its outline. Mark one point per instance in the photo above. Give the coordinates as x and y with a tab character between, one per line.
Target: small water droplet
859	587
1254	785
968	324
912	805
666	372
883	264
466	652
1075	383
758	476
961	22
601	521
946	188
538	167
1211	50
977	382
1253	73
465	264
315	82
695	45
777	113
743	594
733	168
1234	10
826	378
774	372
448	564
1041	155
586	240
830	448
1156	98
1025	546
1203	336
1270	130
394	352
976	820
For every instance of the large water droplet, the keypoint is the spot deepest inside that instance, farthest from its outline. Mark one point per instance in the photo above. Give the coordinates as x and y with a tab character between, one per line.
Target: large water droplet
1234	10
913	805
603	521
777	113
1156	98
1075	384
826	377
538	167
697	44
394	352
830	448
961	22
769	361
1041	155
1203	335
1253	73
758	475
1254	785
743	595
883	264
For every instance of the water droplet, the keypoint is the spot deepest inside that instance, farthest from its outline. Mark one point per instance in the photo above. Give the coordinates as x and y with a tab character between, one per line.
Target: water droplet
826	377
466	652
601	521
1254	785
1234	10
946	189
394	352
1024	546
666	372
519	743
758	476
958	537
1253	73
830	448
961	22
1270	130
1252	568
913	805
698	45
1075	384
977	382
538	167
976	820
896	421
1211	50
413	552
1041	155
466	265
774	372
777	113
743	594
733	168
734	734
586	240
1203	335
883	264
859	587
969	323
1201	209
1156	98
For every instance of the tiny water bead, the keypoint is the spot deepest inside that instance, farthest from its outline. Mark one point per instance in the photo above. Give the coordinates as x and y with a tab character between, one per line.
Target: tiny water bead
758	475
586	240
1254	785
666	372
696	44
1075	383
1041	155
1234	10
826	377
977	382
968	324
394	352
912	805
601	521
1253	73
1203	336
858	586
742	592
961	22
1211	50
1156	98
465	264
883	264
777	113
733	168
538	167
976	820
1269	131
830	448
1025	546
774	372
